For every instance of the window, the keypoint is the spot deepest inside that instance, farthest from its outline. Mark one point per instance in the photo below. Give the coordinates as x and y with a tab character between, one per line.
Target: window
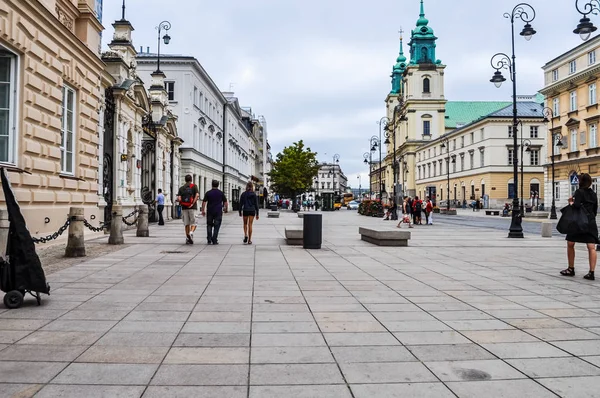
462	141
429	170
555	75
593	136
573	140
195	96
557	190
328	185
572	67
462	162
419	172
555	107
454	164
511	190
426	127
472	159
533	131
426	84
454	144
482	157
511	156
434	169
482	134
534	157
472	137
591	57
510	131
7	106
428	153
573	101
170	87
322	185
592	94
67	131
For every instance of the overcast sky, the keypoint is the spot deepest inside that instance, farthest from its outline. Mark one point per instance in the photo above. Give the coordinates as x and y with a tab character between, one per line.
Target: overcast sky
319	70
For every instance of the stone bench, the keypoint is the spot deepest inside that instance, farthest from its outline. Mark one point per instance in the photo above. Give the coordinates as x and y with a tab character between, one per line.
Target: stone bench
272	214
294	236
492	212
381	237
537	214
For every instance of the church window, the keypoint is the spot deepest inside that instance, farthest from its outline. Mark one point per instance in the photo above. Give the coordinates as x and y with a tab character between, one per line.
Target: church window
426	127
426	84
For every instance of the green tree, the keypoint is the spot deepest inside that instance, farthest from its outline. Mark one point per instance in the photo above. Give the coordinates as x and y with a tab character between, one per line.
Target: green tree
294	170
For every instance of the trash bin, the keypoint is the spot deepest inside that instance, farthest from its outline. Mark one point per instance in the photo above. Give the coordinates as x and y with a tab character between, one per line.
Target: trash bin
312	233
273	207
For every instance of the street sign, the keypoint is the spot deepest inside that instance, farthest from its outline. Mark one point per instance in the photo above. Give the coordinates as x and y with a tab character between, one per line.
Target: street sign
574	179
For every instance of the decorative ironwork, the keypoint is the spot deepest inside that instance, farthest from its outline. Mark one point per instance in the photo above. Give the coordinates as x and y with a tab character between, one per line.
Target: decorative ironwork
53	236
107	159
149	177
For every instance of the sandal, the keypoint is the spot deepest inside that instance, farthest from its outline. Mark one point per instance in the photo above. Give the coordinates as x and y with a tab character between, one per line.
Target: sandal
568	272
249	242
590	276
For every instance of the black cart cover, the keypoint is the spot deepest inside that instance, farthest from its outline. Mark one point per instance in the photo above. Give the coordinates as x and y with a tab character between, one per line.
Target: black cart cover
28	272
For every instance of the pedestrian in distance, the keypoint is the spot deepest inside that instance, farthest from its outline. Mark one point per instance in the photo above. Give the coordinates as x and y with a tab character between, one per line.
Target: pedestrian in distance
160	206
585	199
188	199
248	210
417	210
405	218
429	211
214	205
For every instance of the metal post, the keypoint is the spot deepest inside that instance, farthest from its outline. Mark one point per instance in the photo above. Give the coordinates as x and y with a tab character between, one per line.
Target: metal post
516	230
75	242
549	115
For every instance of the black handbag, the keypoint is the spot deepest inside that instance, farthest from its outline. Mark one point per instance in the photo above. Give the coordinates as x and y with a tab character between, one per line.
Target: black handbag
574	220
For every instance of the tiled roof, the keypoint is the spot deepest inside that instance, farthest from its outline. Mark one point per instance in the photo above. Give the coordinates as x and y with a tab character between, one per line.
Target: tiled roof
524	109
459	113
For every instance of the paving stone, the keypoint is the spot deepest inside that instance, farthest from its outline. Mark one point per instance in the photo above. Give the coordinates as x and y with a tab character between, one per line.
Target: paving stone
198	316
29	372
572	387
23	324
196	392
524	350
19	390
487	324
557	334
360	339
74	391
41	353
402	390
207	355
137	339
305	391
474	370
212	340
96	315
132	355
282	317
428	338
66	325
282	355
287	340
148	326
201	375
452	352
499	336
61	338
386	372
157	316
285	327
500	389
395	353
109	374
216	327
12	336
290	374
554	367
350	327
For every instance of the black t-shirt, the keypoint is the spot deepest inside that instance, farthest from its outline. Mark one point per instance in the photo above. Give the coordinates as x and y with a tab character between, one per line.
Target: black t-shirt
194	193
215	200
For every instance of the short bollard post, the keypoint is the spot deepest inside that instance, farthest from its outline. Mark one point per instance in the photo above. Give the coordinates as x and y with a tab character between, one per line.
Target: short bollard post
547	228
4	225
142	222
75	242
116	224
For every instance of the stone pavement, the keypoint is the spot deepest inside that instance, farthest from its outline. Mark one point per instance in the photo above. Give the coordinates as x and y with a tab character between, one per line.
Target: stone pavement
462	311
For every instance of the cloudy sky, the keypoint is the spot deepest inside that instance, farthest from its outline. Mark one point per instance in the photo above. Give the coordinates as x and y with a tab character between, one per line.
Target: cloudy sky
319	70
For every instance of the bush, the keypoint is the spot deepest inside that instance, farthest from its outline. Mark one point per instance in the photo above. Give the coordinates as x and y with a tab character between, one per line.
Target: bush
370	207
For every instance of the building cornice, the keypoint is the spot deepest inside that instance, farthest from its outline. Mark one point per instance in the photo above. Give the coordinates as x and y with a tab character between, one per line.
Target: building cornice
564	84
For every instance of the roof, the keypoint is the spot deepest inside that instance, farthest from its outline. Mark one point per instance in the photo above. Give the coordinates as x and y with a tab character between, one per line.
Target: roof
465	112
524	109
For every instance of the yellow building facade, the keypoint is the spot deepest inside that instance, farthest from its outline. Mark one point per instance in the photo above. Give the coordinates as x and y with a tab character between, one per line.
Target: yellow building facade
570	87
50	70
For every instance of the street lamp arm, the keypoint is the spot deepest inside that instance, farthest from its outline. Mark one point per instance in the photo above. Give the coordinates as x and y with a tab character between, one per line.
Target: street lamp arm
501	61
591	7
522	11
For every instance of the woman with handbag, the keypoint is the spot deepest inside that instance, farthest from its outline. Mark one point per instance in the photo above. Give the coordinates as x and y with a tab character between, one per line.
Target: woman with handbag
584	201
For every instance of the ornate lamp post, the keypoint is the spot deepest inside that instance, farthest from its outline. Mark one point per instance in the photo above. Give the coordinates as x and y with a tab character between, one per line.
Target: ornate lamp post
549	117
390	130
367	155
359	186
585	27
526	13
375	143
336	160
381	122
166	25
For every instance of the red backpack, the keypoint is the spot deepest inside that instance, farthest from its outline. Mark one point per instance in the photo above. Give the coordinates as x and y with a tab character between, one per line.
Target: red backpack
187	196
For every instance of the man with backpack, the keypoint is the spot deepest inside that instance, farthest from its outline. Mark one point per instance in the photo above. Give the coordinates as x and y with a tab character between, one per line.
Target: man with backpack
217	204
188	199
428	211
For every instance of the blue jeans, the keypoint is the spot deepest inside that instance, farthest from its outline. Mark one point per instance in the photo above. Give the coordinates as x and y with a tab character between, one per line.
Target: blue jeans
213	223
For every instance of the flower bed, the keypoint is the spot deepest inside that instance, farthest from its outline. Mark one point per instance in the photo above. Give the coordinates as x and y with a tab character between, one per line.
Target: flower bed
371	208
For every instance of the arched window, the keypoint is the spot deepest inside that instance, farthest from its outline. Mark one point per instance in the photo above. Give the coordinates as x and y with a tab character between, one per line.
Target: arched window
426	85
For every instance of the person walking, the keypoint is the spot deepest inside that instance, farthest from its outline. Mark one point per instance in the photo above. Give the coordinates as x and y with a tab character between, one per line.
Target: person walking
160	206
584	198
417	209
248	210
213	206
188	199
428	211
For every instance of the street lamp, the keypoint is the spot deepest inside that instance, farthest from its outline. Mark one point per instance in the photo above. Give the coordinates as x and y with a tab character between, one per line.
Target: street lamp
549	117
166	25
585	28
359	186
526	13
375	143
390	130
381	184
336	159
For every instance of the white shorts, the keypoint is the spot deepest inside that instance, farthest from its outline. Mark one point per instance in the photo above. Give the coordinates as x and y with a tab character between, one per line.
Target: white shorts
188	216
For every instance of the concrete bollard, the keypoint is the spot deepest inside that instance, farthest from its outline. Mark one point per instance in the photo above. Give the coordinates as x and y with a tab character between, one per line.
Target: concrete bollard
75	243
4	225
116	226
547	228
142	222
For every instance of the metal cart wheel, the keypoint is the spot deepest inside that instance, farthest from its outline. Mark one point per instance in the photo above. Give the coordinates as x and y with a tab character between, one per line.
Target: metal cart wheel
13	299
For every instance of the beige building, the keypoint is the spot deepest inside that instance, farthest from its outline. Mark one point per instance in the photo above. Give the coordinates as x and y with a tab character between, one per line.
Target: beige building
571	91
50	73
481	160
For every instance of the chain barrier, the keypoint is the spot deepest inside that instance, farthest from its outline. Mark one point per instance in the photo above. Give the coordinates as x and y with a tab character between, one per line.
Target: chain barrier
131	224
54	235
91	227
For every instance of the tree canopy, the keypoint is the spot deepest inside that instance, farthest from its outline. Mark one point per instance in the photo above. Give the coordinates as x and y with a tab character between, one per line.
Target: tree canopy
294	170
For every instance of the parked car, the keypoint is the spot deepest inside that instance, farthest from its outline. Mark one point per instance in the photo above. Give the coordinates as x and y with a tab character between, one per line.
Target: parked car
353	205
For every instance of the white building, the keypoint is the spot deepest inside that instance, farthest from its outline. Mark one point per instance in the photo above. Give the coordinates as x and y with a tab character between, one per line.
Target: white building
330	178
